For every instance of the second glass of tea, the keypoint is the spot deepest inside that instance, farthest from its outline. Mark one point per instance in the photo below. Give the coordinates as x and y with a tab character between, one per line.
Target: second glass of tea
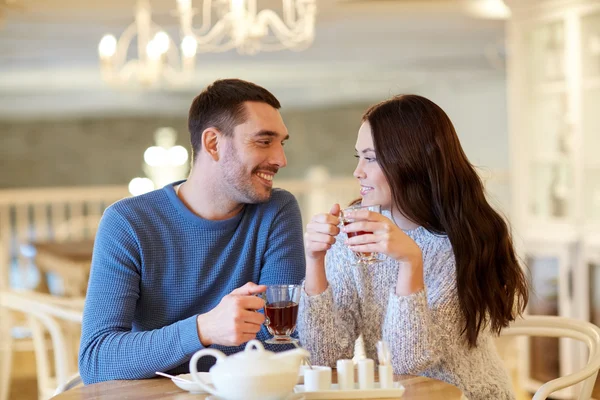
281	312
362	258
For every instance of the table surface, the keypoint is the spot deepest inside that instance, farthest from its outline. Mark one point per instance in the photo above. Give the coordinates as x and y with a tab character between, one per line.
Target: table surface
417	388
77	251
71	260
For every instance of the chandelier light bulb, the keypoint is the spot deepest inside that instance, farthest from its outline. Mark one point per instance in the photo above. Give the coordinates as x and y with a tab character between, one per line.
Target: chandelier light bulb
155	156
178	155
189	45
152	51
107	47
238	6
161	39
492	9
139	186
185	4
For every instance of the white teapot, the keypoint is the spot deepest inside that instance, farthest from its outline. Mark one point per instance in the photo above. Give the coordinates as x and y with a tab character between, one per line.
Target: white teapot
253	374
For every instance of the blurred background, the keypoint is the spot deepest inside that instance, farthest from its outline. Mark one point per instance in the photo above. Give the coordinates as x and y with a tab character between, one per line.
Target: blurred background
94	98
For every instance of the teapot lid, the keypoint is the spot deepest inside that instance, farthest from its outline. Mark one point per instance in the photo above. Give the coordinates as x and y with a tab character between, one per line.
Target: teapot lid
253	361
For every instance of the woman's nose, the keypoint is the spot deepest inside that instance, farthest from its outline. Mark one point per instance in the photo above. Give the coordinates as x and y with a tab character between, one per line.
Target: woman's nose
358	171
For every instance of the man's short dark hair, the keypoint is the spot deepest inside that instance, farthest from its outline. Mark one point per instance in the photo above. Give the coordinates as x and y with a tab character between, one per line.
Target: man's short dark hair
221	105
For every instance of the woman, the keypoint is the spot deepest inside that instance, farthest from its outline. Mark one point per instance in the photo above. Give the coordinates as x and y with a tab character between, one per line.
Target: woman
449	279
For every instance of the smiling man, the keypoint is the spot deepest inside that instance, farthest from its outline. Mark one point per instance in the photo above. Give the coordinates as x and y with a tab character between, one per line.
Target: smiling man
177	269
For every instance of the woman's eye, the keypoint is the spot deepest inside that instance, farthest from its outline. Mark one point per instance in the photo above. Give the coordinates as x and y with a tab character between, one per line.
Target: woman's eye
369	159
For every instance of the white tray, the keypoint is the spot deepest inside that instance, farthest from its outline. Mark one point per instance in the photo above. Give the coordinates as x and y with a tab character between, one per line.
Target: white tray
335	393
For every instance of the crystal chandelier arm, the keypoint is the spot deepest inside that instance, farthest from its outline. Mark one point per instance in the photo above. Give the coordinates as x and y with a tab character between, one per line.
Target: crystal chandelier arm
128	70
212	41
208	39
299	33
289	12
123	44
186	14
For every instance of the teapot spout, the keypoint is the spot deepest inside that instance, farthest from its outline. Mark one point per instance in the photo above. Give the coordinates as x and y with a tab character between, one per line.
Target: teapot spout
292	357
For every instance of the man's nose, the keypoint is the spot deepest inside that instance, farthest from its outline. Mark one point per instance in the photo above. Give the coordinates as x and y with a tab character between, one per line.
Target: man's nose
279	157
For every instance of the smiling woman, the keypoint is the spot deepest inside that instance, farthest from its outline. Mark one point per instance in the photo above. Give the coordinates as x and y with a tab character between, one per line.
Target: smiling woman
448	280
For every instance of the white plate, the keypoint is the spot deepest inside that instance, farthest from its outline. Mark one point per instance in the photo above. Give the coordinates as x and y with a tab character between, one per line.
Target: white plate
205	376
335	393
193	387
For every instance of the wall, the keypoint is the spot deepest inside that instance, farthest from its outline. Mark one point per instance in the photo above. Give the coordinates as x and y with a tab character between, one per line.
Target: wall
109	150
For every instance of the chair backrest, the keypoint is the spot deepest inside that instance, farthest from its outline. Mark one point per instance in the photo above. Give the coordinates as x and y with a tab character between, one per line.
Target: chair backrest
562	327
56	316
84	226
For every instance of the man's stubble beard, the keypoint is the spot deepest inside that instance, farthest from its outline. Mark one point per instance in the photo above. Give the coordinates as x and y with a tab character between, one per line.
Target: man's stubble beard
241	187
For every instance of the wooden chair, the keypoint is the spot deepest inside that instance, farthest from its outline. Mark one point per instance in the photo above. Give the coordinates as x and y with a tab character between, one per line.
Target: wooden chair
59	318
561	327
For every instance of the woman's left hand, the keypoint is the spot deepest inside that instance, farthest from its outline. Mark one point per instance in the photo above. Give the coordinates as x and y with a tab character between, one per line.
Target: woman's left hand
383	236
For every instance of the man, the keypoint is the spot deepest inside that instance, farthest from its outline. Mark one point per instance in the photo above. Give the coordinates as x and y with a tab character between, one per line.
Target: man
173	269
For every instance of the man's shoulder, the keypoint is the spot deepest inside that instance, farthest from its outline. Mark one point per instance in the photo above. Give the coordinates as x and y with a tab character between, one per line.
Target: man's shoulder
280	202
281	197
145	203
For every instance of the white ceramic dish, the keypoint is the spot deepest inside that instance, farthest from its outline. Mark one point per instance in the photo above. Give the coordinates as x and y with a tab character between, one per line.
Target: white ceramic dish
335	393
192	386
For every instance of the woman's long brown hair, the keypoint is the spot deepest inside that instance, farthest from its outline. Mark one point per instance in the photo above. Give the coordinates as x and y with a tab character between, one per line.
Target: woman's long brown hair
434	185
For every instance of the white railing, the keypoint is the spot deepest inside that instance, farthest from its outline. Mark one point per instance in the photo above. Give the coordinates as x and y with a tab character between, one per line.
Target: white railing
27	215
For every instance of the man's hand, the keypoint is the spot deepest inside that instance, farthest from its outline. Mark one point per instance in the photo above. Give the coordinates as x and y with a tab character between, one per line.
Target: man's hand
235	320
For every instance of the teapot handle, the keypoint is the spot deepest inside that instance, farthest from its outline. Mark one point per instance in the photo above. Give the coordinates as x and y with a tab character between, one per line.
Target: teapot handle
194	368
256	344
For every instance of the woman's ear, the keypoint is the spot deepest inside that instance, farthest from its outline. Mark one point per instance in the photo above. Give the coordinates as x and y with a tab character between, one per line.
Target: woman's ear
210	142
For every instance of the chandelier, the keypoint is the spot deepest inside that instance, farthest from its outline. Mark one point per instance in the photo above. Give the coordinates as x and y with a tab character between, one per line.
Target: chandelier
225	25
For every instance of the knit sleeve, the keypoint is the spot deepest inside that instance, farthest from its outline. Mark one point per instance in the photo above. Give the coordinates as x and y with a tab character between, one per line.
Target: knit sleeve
328	322
109	349
421	328
283	261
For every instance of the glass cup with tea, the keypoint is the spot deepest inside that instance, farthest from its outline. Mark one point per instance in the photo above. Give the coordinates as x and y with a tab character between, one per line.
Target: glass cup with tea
281	312
362	258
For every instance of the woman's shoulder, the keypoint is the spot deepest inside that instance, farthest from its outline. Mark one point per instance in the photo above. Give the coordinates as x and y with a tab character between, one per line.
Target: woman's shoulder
431	243
438	255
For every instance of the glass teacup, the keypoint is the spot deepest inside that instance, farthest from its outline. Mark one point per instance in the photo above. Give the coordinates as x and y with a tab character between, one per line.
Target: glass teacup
362	258
281	312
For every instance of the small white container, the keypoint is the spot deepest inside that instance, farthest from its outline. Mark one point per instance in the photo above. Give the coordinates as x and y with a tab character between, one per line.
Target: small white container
318	378
345	374
366	374
386	376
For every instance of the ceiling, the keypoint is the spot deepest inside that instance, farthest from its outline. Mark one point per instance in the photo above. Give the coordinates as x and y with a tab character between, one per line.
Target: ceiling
363	50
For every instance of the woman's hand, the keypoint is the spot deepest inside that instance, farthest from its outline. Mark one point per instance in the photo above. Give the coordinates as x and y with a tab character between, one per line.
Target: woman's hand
383	236
319	237
321	232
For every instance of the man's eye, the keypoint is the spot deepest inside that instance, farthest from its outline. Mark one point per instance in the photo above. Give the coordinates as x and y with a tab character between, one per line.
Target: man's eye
264	142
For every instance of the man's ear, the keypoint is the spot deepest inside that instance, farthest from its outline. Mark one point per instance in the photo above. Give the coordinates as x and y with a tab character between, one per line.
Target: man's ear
210	142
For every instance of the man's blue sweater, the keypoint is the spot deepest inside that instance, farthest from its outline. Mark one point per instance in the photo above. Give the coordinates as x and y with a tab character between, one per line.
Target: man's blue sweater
157	265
